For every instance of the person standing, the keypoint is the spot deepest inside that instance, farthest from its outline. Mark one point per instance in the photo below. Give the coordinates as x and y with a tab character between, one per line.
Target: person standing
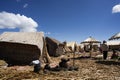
104	49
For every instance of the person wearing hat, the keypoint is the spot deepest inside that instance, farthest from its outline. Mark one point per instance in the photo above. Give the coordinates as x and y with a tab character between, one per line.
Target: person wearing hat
37	65
104	49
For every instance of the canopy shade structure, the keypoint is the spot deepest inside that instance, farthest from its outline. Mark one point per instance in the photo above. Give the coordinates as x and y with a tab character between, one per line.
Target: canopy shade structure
113	42
116	36
90	40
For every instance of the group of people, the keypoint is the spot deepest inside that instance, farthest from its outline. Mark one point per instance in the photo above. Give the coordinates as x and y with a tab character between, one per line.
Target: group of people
63	65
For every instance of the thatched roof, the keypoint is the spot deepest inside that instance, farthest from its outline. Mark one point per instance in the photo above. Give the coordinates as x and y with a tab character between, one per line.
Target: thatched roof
113	42
53	40
116	36
71	44
31	38
21	47
90	40
52	45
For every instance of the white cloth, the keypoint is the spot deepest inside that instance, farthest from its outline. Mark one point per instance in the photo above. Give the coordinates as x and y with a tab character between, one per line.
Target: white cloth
36	62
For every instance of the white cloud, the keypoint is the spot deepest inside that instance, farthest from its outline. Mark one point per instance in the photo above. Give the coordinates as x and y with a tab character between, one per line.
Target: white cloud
12	21
25	5
116	9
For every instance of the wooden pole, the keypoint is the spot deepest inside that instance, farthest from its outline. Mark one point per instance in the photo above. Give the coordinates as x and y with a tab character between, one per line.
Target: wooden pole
75	48
73	59
91	47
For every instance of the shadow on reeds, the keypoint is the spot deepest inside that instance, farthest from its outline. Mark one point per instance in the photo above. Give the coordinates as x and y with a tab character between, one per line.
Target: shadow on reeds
109	62
95	58
81	57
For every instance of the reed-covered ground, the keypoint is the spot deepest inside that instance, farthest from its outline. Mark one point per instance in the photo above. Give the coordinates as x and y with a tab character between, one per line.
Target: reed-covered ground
89	69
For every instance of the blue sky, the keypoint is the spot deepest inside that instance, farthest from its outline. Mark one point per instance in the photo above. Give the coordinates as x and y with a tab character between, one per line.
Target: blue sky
70	20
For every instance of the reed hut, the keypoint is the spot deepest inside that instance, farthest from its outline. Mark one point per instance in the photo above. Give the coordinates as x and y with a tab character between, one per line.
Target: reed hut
71	46
66	48
116	36
21	47
114	44
52	45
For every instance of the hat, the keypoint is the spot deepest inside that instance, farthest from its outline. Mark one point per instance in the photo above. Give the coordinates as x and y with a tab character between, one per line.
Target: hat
104	41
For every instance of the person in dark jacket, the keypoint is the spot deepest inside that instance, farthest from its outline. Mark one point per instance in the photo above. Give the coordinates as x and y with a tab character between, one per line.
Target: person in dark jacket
104	49
63	63
37	65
